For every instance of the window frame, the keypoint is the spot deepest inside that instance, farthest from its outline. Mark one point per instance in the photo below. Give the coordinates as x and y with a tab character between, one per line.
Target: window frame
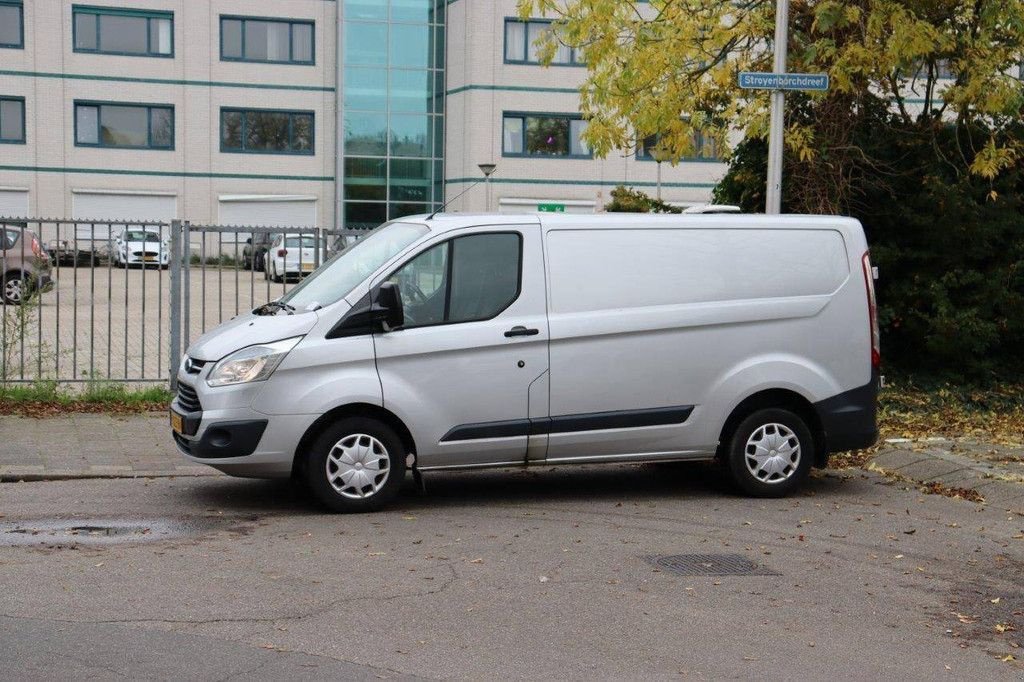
529	57
24	122
449	243
524	115
291	39
698	143
99	12
99	144
291	112
20	45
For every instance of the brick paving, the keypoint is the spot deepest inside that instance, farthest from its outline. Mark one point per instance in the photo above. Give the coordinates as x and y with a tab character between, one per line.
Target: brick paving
91	445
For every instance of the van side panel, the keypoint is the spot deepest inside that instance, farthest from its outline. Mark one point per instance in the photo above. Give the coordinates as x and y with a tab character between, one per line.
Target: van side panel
696	317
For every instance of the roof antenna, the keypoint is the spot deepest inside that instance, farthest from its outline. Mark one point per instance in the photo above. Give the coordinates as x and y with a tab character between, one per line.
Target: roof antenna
486	168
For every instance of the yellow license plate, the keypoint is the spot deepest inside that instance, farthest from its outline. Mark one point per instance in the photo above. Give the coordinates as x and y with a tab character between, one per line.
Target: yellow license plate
150	258
307	267
176	423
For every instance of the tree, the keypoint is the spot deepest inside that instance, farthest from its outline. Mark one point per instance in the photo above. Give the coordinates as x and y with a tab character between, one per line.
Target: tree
670	67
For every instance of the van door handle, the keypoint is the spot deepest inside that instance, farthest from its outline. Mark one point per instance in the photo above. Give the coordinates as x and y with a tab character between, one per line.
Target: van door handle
521	331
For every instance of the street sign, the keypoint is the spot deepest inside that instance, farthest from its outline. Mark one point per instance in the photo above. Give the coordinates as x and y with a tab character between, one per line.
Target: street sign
551	208
817	82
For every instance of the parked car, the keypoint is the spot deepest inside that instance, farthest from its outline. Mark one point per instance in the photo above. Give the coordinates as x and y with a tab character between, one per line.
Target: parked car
65	252
292	255
141	247
457	342
254	252
24	265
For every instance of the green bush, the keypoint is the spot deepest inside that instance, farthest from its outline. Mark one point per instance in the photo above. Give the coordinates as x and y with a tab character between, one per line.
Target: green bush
628	200
949	246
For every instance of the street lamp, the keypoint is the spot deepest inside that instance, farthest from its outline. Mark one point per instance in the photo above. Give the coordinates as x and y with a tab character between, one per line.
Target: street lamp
659	154
487	169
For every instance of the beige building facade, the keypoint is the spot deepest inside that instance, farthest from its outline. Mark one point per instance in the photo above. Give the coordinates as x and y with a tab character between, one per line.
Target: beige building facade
227	112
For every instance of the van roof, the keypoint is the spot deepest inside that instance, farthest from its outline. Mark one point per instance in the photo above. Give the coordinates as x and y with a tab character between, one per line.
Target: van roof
442	222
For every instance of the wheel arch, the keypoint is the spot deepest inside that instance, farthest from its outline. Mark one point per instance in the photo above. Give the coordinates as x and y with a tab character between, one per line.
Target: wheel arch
778	398
351	410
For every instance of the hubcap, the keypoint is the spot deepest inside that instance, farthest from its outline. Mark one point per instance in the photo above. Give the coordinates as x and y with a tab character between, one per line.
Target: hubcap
12	290
358	466
772	453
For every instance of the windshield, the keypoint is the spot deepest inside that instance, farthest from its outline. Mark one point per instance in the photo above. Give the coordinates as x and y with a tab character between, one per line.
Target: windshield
342	273
308	242
140	236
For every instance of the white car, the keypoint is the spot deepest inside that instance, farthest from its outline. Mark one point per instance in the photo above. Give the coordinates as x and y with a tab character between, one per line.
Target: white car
141	247
292	255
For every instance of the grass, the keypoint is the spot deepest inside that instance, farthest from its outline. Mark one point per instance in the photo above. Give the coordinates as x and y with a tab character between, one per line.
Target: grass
48	398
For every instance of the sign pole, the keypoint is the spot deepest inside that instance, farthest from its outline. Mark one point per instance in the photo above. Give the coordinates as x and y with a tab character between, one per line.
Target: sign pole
773	196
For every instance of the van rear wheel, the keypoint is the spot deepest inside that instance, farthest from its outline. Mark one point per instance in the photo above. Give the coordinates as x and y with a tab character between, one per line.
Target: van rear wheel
770	453
356	465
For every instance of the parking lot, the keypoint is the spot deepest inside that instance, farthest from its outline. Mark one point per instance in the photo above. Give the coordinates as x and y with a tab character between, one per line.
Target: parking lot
110	323
543	574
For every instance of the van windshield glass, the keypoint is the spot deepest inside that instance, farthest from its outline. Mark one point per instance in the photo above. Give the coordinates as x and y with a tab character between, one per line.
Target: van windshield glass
340	275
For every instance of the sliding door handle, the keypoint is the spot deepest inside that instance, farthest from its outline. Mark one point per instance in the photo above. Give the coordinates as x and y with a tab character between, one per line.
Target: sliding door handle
521	331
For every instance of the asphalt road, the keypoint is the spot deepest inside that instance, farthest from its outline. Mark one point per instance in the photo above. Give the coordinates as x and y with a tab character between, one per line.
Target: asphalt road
510	575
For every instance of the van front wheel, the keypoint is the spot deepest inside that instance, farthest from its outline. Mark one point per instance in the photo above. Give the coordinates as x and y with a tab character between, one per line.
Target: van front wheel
356	465
770	453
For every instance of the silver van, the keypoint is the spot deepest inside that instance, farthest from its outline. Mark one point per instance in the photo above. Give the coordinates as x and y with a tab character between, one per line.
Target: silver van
464	341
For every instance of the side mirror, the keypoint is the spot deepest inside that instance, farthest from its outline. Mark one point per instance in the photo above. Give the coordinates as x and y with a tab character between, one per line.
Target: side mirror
380	310
388	305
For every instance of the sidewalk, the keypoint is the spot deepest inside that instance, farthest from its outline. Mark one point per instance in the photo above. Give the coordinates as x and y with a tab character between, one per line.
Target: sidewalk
98	445
90	445
994	471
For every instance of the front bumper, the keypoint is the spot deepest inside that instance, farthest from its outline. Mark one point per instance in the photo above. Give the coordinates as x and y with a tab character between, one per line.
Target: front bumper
220	428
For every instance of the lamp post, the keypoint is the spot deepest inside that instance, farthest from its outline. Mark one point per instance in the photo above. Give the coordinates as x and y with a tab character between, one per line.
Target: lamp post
487	169
659	154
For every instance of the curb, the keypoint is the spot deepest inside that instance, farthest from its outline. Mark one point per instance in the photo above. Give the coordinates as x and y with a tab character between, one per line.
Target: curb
67	475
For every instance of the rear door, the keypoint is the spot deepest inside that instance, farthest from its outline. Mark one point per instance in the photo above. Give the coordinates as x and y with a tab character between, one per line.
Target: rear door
468	371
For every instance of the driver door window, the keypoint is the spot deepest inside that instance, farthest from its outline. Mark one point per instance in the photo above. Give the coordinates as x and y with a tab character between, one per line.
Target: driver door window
465	279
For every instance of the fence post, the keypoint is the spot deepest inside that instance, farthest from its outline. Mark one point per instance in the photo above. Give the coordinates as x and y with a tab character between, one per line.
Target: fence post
176	267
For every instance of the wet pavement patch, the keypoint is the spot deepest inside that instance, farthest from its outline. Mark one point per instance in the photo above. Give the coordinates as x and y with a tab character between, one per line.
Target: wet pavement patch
708	565
67	532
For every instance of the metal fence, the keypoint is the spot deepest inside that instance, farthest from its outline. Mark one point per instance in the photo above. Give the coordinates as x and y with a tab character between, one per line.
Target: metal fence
121	300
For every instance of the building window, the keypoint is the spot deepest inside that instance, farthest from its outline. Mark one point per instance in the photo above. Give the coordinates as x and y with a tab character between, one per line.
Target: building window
544	135
266	131
705	148
124	126
521	44
12	120
12	24
279	41
110	30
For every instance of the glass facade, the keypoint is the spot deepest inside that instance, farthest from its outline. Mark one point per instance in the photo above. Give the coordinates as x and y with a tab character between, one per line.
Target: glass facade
393	98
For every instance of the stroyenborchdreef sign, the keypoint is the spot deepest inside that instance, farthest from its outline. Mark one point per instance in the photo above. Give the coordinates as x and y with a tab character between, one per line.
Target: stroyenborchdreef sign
783	81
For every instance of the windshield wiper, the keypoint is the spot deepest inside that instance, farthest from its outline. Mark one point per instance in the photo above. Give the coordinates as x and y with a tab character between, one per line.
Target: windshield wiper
270	308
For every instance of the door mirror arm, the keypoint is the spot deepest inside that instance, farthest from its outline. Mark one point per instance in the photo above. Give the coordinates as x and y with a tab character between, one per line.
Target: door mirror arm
379	311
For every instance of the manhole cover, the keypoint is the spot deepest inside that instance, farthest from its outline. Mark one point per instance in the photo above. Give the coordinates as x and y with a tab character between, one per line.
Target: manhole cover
87	532
709	564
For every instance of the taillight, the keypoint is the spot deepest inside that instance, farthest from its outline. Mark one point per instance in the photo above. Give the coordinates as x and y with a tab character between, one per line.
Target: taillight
37	248
282	252
869	285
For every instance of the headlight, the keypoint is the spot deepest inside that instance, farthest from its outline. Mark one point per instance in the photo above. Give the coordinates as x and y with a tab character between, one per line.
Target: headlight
254	363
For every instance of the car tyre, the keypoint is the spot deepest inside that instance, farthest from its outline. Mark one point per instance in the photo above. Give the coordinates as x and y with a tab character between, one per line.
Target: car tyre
355	465
276	277
15	288
770	452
